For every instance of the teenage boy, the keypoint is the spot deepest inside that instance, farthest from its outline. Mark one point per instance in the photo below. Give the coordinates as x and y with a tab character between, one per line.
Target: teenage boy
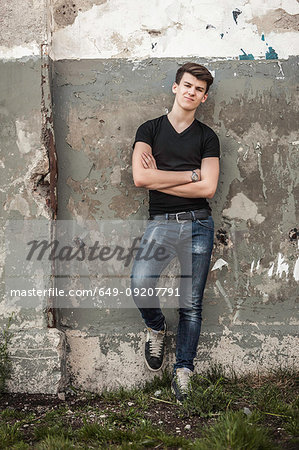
176	157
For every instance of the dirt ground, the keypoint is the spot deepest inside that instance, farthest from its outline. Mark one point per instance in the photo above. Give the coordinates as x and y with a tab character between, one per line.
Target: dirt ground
166	416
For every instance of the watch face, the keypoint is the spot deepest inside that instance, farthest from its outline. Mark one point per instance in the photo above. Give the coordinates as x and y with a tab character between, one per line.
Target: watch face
194	176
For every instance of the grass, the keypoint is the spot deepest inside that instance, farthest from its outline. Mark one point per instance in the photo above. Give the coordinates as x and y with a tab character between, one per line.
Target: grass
208	398
5	362
235	431
143	435
226	412
9	435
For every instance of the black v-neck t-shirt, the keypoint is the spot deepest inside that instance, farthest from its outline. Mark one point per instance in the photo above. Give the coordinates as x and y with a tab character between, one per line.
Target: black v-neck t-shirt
177	151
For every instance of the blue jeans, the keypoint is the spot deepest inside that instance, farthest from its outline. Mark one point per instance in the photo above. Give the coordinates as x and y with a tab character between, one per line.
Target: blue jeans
194	252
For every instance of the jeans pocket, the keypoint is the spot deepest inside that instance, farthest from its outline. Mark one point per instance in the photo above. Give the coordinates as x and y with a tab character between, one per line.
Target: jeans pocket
206	223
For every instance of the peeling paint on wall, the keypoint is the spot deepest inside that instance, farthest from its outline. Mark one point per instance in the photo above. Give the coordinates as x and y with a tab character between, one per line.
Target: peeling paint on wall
172	30
243	208
245	55
271	54
276	20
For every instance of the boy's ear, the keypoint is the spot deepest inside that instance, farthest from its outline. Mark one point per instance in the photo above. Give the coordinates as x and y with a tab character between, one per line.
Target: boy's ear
204	98
174	87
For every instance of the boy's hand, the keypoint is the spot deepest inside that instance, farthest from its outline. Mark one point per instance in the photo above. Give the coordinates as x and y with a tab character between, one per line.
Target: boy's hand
148	161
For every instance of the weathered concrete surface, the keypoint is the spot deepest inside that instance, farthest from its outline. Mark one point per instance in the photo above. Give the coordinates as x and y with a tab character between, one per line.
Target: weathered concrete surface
249	306
28	191
135	29
94	365
23	27
28	179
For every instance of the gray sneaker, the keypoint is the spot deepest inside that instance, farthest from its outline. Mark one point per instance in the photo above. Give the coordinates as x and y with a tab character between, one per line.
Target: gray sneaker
154	348
181	383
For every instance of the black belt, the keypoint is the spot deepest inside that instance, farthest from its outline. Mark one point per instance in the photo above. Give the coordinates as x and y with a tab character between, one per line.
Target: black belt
184	215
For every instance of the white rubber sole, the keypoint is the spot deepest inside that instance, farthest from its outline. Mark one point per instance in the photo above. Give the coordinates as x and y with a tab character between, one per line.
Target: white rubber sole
147	365
150	368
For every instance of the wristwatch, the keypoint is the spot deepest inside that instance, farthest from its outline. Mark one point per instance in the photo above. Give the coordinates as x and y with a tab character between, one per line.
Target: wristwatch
194	176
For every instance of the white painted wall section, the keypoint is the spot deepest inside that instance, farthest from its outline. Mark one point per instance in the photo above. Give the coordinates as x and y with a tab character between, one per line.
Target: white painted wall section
20	51
201	28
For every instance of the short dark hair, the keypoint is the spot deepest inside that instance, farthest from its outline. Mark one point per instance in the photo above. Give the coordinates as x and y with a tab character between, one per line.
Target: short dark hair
198	71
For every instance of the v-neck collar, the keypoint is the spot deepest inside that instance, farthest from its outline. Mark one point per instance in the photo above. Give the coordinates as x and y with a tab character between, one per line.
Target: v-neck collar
182	132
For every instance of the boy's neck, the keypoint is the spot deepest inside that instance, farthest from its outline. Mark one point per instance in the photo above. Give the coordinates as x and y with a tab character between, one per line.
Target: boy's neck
179	115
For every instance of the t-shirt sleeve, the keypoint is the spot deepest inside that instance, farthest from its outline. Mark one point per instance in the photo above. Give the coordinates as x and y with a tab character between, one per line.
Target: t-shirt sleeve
144	134
211	145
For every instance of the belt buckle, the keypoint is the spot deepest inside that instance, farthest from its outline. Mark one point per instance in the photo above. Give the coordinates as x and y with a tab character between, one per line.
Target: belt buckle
177	219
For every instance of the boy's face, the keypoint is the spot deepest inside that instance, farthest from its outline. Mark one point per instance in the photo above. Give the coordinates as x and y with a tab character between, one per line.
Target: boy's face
190	92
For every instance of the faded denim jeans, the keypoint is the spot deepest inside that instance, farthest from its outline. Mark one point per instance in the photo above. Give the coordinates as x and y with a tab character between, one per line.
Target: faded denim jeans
193	252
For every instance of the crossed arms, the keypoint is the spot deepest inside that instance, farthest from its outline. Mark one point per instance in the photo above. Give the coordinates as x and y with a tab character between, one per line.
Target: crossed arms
178	183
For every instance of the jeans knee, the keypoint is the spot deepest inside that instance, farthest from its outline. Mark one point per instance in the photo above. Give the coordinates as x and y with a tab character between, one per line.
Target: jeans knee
190	314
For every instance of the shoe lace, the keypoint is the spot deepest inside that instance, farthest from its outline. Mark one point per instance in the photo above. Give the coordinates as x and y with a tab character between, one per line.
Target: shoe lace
183	379
156	343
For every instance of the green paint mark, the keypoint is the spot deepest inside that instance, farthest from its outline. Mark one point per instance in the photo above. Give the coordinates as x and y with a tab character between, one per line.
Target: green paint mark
263	37
245	56
271	54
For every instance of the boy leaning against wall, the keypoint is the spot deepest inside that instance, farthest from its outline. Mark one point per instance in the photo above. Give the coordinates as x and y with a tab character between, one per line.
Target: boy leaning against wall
176	157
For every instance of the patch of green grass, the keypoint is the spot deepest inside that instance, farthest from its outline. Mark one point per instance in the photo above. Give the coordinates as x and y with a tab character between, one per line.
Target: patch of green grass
235	431
141	394
120	394
158	383
5	361
208	396
56	443
141	436
9	435
9	413
214	373
270	400
56	413
128	417
291	422
51	424
44	430
20	446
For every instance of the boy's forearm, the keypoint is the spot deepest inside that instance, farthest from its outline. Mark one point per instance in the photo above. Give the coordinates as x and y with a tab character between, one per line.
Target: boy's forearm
156	179
200	189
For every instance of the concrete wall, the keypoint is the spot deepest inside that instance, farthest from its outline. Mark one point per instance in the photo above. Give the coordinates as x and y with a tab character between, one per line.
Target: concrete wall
249	308
112	67
28	190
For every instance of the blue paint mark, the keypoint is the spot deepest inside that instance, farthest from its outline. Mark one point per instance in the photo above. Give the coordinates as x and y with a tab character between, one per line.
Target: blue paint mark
245	56
236	13
271	54
263	37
